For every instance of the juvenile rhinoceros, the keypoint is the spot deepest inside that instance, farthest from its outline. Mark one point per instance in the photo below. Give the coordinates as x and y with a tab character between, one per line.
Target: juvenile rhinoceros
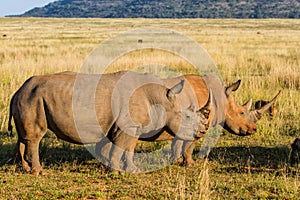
84	108
115	140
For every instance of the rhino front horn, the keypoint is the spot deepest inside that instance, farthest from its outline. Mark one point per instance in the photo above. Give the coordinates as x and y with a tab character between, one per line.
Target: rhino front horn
259	112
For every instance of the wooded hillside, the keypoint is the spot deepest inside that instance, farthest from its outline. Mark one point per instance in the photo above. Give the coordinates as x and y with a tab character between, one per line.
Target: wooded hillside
169	9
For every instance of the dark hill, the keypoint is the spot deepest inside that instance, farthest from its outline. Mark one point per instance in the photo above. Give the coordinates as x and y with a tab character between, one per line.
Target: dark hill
169	9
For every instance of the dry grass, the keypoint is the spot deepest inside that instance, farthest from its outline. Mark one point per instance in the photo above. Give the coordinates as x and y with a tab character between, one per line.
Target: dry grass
263	53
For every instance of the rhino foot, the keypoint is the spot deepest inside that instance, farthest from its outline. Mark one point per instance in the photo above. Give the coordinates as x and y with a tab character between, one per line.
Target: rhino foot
132	169
36	171
177	161
115	172
25	167
189	163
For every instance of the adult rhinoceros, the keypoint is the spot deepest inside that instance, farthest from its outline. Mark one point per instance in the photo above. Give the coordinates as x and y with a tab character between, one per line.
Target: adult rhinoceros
236	119
82	109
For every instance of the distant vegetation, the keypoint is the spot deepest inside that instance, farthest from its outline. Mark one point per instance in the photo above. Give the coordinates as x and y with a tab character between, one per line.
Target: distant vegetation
169	9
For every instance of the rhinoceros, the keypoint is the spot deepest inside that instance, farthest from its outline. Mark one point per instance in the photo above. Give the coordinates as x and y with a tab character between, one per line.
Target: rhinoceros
236	119
115	140
84	108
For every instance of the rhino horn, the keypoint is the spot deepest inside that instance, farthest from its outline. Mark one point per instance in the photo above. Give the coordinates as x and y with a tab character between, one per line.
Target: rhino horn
176	89
209	100
259	112
207	107
233	87
248	104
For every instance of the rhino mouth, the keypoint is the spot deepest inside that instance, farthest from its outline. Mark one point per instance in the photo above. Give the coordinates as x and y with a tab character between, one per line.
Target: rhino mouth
238	131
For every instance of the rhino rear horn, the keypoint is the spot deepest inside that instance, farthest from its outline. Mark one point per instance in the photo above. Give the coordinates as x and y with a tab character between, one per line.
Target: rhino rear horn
259	112
176	89
207	107
233	87
209	100
248	104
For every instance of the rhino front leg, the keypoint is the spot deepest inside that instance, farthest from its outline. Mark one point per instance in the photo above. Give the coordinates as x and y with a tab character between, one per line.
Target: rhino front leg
183	148
176	150
188	149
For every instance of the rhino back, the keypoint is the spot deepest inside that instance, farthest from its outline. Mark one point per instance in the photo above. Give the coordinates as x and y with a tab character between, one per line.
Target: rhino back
48	102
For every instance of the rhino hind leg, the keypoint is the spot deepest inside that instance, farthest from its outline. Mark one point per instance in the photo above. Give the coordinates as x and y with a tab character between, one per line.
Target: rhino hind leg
103	149
19	153
32	157
29	147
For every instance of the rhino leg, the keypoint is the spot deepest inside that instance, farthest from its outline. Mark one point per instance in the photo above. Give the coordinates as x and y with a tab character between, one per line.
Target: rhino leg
188	148
33	136
102	150
115	158
129	154
176	150
19	154
32	156
123	142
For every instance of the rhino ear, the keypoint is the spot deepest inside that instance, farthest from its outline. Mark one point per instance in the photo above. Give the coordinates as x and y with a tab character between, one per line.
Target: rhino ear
192	107
233	87
248	104
171	93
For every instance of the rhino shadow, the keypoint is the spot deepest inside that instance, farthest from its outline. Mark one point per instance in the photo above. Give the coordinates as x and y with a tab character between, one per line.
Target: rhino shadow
52	151
233	158
257	158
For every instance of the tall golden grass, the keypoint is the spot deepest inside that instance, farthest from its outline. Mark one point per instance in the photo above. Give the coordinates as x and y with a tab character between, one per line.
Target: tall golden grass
263	53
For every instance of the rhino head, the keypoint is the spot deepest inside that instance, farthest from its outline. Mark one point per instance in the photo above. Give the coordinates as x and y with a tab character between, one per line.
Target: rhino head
239	119
189	123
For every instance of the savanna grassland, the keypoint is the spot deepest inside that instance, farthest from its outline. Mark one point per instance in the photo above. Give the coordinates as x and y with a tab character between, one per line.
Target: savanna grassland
264	54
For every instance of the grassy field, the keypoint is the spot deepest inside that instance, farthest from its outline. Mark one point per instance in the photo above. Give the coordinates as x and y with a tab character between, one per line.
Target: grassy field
265	54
